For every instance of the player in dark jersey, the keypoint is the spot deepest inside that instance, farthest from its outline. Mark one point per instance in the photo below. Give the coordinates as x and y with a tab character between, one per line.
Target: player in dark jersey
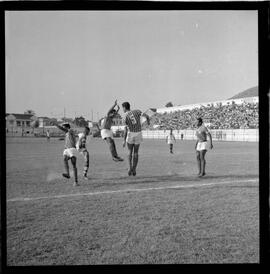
201	146
132	135
81	147
106	132
70	150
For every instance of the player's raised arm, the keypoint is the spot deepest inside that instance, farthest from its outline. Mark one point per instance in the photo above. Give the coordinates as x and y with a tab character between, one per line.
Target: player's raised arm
110	110
60	127
117	109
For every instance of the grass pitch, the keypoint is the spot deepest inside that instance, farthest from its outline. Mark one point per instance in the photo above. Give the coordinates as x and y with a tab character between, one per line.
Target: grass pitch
163	215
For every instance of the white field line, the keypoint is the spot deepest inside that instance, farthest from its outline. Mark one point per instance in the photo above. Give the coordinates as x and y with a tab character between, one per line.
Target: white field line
221	183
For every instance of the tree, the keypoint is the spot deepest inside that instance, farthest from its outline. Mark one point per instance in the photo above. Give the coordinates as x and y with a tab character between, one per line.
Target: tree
30	111
80	121
169	105
34	124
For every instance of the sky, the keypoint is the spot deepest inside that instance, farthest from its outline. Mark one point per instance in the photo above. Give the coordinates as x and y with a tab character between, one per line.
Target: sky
79	62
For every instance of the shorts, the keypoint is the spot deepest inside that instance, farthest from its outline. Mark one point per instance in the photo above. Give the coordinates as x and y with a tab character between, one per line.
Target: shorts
134	138
105	133
170	142
70	152
201	146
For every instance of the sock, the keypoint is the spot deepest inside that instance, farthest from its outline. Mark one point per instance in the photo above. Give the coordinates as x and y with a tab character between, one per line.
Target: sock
85	170
75	174
66	165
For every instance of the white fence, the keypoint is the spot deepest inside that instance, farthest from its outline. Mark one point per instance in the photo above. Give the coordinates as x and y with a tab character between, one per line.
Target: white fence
247	135
40	131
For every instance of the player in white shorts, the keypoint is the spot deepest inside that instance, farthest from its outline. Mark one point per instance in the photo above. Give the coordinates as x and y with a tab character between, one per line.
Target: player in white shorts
169	139
201	146
132	135
106	132
70	150
81	147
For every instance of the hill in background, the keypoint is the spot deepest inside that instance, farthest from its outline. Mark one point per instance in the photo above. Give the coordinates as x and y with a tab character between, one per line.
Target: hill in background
251	92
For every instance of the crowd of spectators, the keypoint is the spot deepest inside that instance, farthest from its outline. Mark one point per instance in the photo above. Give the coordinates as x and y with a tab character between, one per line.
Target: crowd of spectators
230	116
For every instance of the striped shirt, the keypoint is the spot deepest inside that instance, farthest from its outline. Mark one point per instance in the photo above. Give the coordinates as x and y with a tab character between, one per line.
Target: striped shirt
106	122
131	119
70	139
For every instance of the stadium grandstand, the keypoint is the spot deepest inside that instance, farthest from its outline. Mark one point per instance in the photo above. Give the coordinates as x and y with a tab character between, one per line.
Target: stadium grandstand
238	112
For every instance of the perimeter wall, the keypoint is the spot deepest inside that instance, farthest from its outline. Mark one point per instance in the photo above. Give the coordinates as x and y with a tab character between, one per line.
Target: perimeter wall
247	135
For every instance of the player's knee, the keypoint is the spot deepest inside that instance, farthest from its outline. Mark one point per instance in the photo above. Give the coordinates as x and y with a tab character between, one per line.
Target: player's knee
73	160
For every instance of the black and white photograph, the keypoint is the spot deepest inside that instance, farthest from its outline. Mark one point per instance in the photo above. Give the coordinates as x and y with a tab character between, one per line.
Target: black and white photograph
132	137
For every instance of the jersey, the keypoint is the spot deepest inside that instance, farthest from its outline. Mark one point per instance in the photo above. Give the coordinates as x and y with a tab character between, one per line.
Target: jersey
70	139
201	133
81	144
131	119
106	122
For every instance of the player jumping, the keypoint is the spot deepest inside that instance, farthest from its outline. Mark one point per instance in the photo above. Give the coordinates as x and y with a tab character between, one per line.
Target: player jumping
132	135
106	132
200	146
69	151
81	147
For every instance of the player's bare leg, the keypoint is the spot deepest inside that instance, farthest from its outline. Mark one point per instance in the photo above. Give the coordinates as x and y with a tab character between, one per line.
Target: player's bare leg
171	148
86	164
113	151
66	175
135	159
130	158
73	161
198	157
203	162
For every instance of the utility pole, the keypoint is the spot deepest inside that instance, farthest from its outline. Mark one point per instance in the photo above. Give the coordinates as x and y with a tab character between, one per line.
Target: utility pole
92	114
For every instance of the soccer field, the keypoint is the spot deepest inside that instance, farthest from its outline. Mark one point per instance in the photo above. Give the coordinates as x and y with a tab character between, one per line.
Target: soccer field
163	215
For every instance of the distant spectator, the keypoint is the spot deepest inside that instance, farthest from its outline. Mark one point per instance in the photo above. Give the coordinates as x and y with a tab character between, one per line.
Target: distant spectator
230	116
